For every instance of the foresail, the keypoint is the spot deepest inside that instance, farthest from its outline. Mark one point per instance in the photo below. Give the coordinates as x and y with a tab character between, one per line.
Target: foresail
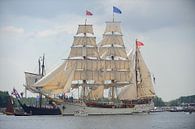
50	77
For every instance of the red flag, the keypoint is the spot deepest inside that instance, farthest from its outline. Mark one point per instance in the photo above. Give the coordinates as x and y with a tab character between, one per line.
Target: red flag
88	13
139	44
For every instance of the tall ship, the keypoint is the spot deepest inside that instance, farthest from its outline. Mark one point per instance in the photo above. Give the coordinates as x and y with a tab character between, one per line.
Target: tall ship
100	79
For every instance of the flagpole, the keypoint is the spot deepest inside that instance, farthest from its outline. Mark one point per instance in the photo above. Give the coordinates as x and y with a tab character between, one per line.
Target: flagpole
85	18
113	16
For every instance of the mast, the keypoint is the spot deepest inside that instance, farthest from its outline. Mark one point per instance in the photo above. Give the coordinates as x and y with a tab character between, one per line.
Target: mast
144	85
43	65
41	72
39	62
116	63
136	68
84	54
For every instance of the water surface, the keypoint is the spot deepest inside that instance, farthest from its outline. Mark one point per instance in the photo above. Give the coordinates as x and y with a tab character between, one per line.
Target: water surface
161	120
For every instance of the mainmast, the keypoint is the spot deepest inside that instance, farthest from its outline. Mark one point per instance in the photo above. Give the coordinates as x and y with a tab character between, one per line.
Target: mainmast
114	57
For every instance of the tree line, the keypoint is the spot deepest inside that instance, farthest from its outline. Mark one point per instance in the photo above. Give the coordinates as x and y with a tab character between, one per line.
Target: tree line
158	102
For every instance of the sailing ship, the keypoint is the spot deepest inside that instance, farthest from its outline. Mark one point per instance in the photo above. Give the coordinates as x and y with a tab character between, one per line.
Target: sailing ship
32	78
104	78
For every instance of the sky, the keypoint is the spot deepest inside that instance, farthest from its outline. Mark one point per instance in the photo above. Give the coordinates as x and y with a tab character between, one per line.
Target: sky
167	27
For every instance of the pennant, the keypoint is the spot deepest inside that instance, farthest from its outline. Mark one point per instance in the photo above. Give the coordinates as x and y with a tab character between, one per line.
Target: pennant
139	44
116	10
88	13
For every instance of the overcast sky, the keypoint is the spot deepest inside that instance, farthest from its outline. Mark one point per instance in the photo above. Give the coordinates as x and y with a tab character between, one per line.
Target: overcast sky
167	27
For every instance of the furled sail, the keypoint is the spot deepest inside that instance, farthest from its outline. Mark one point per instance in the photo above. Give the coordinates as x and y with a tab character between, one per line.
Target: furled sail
144	84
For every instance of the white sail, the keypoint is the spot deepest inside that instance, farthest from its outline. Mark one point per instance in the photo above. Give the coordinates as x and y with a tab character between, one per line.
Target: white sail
115	64
79	40
54	79
144	84
113	51
83	51
87	75
119	76
113	27
84	64
97	93
112	39
128	93
31	78
69	80
85	29
50	77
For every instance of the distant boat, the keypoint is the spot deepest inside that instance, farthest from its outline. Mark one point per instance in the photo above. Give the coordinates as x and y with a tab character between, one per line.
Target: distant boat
9	108
32	78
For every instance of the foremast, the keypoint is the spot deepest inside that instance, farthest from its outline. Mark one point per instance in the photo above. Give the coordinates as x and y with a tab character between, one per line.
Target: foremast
79	71
84	55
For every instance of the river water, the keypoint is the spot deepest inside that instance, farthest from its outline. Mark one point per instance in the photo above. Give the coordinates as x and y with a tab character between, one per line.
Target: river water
161	120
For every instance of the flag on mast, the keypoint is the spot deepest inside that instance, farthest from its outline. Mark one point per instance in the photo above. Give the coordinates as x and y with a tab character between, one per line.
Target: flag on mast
139	44
116	10
88	13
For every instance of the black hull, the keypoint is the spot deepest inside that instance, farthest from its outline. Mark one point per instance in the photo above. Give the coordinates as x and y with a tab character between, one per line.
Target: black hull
41	111
30	110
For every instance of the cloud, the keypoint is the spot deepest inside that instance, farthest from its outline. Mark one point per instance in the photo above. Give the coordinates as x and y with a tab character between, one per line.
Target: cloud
12	30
